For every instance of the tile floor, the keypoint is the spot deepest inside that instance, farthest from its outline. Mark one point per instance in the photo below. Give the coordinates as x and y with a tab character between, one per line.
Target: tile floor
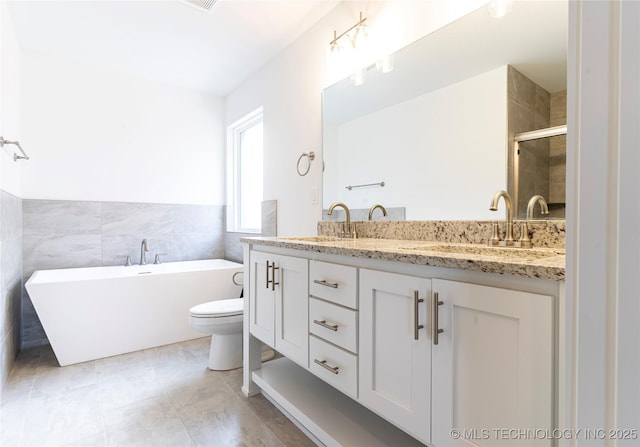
157	397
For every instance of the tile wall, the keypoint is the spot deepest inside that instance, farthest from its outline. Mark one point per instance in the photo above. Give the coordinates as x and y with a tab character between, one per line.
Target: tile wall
542	162
65	233
362	215
232	244
558	149
11	278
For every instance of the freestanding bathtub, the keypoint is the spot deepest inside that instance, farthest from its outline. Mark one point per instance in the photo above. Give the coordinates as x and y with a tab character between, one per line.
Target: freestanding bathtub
95	312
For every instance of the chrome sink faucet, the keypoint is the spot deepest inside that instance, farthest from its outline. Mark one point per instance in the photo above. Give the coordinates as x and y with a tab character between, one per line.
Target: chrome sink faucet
495	239
144	248
524	240
347	224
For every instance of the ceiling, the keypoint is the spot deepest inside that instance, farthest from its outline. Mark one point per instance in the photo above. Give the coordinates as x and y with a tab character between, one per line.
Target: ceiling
168	41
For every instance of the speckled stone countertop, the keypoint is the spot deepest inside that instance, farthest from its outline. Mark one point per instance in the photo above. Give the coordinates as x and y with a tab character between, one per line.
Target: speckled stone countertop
544	263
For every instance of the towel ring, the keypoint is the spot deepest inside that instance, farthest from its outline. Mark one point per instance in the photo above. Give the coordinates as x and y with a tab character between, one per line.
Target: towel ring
311	156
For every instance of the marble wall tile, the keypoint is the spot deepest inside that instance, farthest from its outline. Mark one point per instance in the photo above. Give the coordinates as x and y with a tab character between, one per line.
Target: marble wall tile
362	214
11	262
197	218
45	251
61	217
11	280
269	217
191	246
137	218
233	249
11	216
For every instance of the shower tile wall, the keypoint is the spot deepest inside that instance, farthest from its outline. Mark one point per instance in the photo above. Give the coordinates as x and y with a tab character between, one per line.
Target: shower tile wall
529	109
11	274
558	149
63	234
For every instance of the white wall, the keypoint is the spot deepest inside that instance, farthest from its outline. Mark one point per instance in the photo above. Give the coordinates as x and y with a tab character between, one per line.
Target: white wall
289	88
603	221
96	134
411	146
9	103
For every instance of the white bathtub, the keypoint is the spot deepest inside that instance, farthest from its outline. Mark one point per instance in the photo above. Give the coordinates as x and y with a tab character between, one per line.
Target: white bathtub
95	312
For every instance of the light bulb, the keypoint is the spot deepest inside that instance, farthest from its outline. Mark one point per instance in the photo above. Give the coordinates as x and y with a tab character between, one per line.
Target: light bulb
385	64
359	36
499	8
358	76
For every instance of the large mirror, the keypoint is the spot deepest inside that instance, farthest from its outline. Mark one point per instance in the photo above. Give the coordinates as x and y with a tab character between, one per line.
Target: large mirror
438	129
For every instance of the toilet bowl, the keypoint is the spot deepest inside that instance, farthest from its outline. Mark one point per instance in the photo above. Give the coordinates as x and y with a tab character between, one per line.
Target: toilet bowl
222	319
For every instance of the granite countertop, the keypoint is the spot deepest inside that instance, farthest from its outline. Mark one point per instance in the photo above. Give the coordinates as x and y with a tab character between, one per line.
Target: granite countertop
543	263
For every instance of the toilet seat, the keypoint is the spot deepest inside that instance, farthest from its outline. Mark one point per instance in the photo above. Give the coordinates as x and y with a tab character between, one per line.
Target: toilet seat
218	308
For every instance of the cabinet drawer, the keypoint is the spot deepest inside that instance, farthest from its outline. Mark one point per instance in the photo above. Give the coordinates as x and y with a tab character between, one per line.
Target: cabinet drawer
333	282
333	323
335	366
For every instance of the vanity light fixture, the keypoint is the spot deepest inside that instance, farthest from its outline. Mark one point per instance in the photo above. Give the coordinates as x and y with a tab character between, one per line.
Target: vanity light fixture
356	35
205	5
499	8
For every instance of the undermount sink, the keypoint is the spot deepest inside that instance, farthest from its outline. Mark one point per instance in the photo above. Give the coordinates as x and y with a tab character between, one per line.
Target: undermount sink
488	251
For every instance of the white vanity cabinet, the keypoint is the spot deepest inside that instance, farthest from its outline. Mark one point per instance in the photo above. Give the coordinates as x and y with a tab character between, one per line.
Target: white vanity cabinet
492	364
279	303
333	325
429	350
395	349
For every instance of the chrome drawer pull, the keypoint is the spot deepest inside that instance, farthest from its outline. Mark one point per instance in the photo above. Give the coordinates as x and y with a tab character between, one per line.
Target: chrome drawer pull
323	363
333	285
436	329
416	325
273	276
272	281
323	323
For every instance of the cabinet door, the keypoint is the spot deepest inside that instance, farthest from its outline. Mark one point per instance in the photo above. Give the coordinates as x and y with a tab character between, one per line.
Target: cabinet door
395	367
292	308
492	367
262	298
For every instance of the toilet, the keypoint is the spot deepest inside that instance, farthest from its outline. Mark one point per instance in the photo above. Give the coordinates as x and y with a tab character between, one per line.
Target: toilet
222	319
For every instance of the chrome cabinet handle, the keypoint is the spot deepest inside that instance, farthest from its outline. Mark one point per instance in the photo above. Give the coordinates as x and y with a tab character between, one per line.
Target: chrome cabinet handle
436	329
416	326
273	276
323	363
267	275
272	281
323	323
333	285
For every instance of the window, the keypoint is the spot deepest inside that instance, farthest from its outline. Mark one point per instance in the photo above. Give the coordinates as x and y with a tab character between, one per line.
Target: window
244	174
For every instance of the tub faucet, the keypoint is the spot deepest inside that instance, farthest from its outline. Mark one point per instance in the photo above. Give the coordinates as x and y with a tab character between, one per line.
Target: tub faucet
508	241
144	247
347	224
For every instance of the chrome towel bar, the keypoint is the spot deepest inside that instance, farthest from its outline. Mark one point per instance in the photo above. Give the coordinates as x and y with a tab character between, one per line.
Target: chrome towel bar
380	184
16	157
